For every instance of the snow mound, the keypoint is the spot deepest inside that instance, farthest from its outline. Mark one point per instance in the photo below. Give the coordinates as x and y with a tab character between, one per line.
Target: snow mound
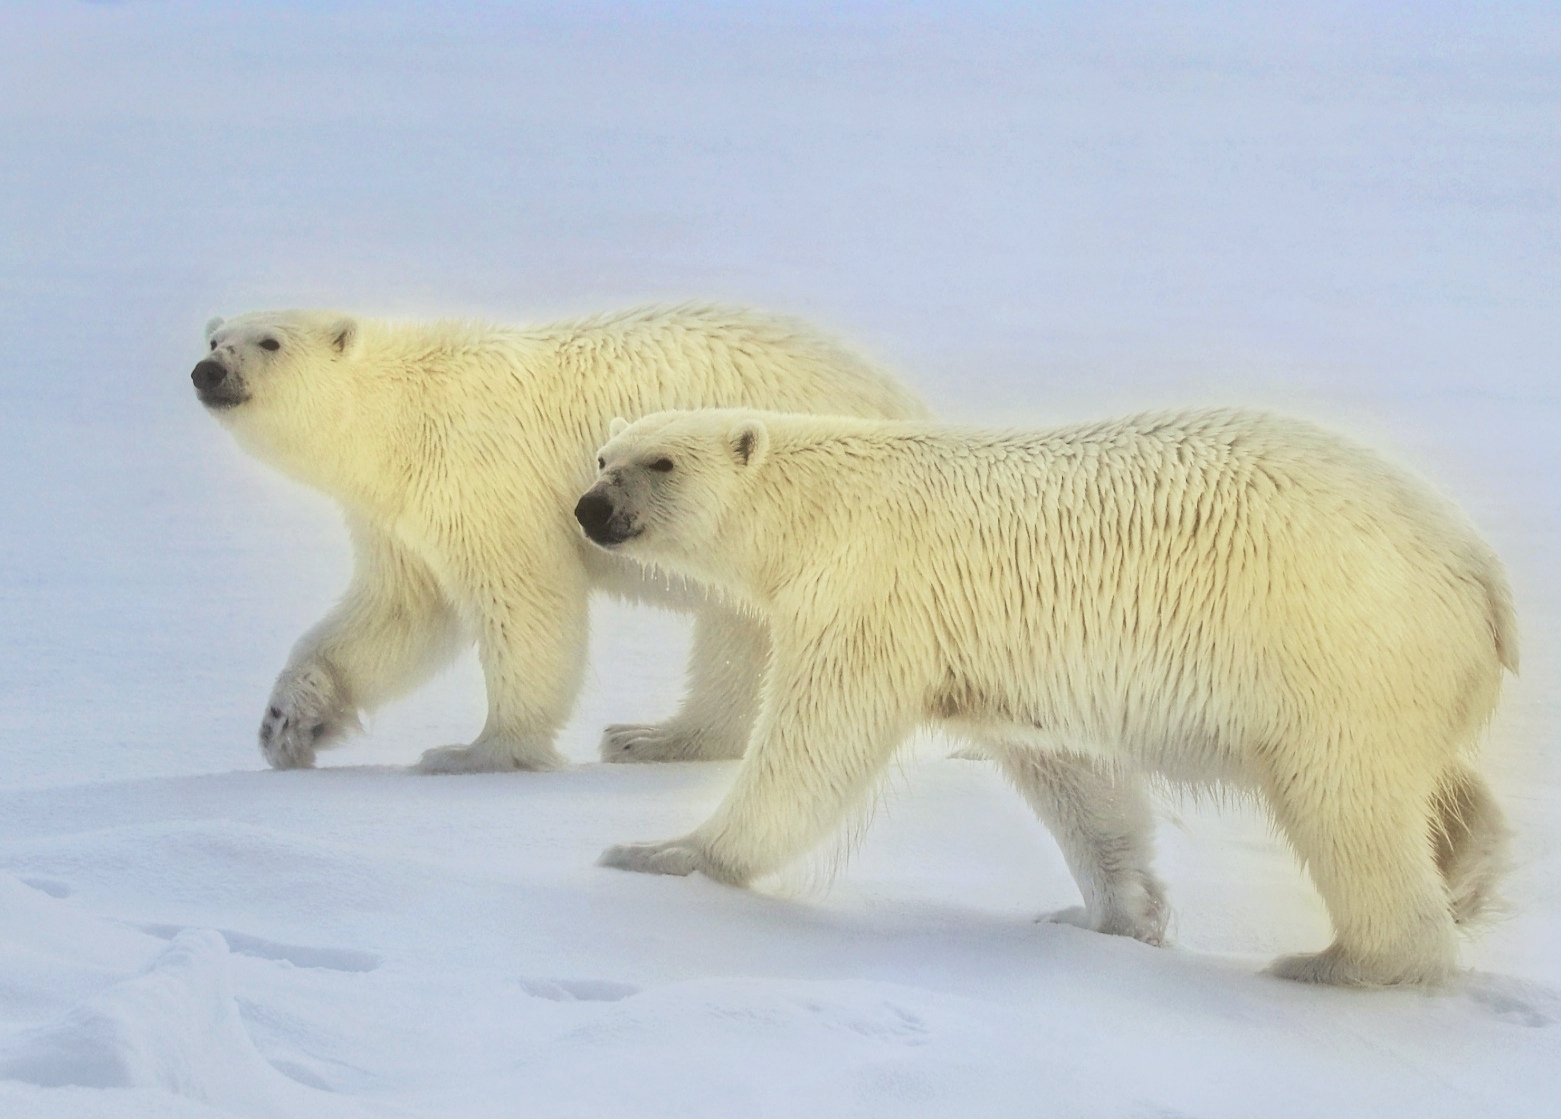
175	1027
55	952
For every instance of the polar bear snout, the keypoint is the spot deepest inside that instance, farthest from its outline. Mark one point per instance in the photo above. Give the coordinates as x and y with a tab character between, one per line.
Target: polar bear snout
603	522
216	386
208	375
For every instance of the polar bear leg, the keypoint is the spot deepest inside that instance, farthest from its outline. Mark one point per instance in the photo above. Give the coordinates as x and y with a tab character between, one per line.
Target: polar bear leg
827	732
724	675
532	645
1101	818
1471	841
391	630
1367	843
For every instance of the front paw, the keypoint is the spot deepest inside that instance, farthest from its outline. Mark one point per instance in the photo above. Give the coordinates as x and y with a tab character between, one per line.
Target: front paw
664	742
680	856
307	712
675	856
487	757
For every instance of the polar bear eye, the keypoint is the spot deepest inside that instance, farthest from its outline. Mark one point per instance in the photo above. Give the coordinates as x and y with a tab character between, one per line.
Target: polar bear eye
662	464
601	463
270	344
214	343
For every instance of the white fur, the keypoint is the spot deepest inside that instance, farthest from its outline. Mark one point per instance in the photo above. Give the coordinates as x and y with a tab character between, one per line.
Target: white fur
457	451
1212	597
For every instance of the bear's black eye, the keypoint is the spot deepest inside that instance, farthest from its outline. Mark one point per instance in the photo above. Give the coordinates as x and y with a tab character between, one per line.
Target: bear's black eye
270	344
601	464
214	343
662	464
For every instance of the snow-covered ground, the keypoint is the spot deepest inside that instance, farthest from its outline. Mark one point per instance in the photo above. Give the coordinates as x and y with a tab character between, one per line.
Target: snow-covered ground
1352	212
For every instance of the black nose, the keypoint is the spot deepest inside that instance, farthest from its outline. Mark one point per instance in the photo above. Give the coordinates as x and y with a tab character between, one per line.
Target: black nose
208	375
593	512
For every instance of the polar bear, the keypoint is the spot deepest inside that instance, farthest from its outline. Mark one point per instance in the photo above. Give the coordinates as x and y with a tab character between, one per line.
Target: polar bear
1208	597
457	450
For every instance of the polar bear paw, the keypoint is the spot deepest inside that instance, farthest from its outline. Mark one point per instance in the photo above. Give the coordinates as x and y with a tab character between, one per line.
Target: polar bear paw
1134	907
489	756
665	742
1335	967
1148	930
676	857
1075	915
680	857
307	711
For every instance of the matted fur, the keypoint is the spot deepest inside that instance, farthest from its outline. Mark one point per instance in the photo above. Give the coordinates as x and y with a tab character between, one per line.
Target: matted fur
457	450
1209	598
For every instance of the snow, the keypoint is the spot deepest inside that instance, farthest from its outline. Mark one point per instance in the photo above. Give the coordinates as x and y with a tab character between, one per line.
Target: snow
1037	214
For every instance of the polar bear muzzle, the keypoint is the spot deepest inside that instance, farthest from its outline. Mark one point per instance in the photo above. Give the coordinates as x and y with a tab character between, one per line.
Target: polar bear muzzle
217	386
603	522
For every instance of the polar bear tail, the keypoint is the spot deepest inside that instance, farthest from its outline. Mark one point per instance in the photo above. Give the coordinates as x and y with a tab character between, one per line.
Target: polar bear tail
1470	838
1504	622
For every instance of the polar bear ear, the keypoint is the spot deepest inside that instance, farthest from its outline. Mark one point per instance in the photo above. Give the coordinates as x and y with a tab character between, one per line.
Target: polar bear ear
618	426
749	439
343	335
213	325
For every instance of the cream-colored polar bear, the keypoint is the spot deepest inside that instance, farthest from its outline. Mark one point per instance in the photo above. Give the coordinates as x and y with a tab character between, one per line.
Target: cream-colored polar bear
1210	597
457	451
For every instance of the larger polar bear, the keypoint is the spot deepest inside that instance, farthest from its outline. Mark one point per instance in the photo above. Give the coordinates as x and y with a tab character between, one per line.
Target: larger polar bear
457	451
1211	597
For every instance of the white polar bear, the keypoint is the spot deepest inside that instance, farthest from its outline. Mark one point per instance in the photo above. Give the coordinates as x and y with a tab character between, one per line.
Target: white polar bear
457	451
1213	597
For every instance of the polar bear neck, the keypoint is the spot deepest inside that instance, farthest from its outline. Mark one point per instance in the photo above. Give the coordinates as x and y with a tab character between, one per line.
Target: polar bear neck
746	561
406	416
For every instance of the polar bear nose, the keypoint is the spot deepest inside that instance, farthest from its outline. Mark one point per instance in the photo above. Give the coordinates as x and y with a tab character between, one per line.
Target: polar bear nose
208	375
593	512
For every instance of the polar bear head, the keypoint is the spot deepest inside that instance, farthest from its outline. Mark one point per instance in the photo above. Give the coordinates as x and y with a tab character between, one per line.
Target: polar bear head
666	482
279	379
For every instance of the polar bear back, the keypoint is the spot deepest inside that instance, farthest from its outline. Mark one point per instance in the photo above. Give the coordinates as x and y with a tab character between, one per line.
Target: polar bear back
702	356
573	373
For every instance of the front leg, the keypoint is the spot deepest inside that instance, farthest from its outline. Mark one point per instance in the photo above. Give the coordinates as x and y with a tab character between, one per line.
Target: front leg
826	729
532	643
390	631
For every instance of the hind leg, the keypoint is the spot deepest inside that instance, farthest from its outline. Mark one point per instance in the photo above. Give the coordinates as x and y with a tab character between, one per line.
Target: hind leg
724	675
1366	844
1101	819
1470	838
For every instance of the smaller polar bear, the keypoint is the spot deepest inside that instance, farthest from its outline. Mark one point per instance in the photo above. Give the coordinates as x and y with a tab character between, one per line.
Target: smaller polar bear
1211	597
457	450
